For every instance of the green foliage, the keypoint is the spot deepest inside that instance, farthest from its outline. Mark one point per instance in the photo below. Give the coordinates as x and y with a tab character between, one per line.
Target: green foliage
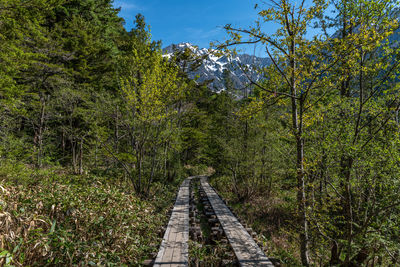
152	91
336	97
78	89
315	142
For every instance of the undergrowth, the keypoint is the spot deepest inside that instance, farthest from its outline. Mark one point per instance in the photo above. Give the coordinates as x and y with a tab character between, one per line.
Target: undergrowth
52	218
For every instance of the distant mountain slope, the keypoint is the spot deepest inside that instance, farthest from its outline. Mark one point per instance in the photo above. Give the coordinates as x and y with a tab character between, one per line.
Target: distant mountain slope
213	66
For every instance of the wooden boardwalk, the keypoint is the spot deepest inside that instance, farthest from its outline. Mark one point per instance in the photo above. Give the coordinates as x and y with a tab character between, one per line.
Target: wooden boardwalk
174	247
246	250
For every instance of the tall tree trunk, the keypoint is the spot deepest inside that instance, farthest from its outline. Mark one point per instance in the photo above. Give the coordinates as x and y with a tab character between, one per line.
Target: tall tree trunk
96	151
345	160
74	156
301	201
116	132
297	121
63	141
40	132
165	160
154	166
81	157
346	165
139	167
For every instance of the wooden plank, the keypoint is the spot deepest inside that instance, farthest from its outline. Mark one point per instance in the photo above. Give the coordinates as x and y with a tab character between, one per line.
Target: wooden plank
174	247
245	248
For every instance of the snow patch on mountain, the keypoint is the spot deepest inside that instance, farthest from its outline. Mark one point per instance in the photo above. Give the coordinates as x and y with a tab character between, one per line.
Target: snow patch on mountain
213	66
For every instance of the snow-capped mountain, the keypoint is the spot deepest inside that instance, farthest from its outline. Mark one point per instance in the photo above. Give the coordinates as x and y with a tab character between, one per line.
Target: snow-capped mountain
213	66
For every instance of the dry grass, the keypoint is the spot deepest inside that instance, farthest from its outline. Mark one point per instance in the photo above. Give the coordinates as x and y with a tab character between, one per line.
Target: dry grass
82	221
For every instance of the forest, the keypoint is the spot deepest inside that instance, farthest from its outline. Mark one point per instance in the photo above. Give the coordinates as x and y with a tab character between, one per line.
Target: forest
98	129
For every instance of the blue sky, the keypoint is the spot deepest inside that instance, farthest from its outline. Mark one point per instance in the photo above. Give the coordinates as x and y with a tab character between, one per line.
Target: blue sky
196	21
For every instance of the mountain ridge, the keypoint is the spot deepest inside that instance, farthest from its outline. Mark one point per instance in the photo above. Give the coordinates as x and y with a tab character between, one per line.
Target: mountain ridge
213	67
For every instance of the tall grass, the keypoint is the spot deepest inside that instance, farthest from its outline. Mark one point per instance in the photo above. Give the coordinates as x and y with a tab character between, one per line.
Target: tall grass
50	217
